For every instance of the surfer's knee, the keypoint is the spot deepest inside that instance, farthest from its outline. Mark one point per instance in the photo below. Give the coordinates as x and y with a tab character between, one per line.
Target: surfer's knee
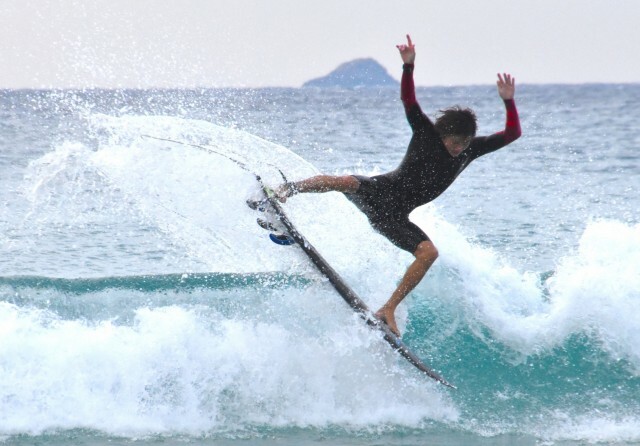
350	184
426	251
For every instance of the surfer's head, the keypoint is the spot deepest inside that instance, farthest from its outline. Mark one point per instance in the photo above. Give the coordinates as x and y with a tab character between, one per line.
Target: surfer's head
456	126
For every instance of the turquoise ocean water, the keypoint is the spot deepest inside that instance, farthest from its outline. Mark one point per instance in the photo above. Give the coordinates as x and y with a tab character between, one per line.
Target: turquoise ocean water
140	304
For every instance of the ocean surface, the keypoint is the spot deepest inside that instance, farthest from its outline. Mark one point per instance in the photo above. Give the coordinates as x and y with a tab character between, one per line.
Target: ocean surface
141	304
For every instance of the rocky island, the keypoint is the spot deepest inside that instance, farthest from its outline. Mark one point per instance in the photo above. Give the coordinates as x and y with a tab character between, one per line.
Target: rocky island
359	73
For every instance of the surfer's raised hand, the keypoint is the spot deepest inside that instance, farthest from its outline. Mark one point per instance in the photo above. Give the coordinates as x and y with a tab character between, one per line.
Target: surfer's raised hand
506	86
408	51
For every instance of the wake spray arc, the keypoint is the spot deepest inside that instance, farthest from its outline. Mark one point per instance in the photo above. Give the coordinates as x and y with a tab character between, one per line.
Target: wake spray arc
338	283
239	163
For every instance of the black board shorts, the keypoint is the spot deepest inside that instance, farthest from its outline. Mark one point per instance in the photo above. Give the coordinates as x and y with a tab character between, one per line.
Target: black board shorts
397	228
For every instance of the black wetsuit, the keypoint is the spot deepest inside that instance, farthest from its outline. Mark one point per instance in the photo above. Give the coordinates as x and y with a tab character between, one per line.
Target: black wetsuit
426	171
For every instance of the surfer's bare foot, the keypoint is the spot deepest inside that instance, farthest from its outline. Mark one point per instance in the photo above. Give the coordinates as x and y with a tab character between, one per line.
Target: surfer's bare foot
387	316
282	193
285	191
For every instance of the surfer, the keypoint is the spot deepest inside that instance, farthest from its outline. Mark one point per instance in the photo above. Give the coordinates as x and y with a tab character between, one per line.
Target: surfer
437	153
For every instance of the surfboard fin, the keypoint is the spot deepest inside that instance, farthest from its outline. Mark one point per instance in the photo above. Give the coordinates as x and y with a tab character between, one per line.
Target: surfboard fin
264	224
258	205
270	223
281	239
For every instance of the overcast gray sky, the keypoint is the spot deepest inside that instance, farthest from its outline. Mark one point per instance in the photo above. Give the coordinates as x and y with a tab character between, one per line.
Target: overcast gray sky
258	43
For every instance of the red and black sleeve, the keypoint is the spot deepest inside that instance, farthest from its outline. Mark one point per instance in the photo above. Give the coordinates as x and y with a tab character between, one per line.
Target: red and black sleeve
512	131
407	87
412	109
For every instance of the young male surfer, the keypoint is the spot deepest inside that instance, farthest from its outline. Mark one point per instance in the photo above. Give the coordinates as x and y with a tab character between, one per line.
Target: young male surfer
437	153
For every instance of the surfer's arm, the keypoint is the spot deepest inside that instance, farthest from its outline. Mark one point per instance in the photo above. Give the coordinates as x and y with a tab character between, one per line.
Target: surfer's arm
512	129
506	90
407	87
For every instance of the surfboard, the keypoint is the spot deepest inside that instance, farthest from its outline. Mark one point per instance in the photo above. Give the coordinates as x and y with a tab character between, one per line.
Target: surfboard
345	291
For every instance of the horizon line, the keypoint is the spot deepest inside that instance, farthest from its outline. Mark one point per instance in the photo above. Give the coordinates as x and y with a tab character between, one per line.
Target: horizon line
275	87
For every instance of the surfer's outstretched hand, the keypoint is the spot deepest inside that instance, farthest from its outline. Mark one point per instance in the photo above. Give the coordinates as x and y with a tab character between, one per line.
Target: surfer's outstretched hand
408	51
506	86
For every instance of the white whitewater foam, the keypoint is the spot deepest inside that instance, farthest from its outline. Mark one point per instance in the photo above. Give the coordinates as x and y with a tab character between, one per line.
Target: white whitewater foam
595	291
195	371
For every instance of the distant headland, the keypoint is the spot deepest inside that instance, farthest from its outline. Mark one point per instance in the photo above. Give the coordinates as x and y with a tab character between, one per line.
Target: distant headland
359	73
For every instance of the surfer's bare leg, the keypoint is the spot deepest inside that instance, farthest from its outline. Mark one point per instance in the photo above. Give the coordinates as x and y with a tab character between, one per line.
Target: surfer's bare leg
425	254
319	183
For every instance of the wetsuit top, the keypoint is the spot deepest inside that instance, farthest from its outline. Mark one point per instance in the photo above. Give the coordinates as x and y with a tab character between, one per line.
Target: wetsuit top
428	169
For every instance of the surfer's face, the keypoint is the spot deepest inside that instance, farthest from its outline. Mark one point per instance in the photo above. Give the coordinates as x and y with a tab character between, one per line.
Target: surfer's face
455	144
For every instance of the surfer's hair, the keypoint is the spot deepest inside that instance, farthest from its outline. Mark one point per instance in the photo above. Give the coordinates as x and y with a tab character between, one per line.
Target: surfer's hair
456	121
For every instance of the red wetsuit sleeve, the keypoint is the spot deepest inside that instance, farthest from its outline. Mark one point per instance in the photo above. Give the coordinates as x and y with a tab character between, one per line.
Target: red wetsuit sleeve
486	144
512	130
407	88
417	119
